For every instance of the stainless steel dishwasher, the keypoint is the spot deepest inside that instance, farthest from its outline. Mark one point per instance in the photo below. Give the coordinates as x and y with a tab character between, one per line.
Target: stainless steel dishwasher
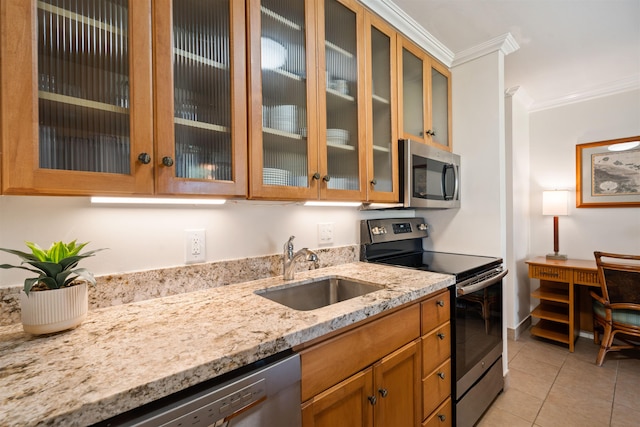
264	394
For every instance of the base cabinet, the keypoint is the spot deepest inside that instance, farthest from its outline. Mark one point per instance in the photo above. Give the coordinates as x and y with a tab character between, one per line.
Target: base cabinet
394	371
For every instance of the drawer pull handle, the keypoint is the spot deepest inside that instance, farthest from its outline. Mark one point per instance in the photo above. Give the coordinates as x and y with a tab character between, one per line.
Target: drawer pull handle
372	399
442	417
441	335
441	375
383	392
440	303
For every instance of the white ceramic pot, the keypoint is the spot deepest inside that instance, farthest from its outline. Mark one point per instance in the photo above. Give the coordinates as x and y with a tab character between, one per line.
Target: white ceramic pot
46	312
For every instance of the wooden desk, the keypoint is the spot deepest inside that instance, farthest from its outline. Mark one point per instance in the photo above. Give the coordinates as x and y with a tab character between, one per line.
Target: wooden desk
558	310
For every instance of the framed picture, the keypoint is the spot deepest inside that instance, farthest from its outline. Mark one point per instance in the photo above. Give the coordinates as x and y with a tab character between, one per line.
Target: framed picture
608	173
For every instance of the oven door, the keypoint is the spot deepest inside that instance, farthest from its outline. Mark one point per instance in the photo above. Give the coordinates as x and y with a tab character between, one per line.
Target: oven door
478	328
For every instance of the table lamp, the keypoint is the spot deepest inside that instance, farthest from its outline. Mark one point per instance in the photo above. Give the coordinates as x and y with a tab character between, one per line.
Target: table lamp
555	203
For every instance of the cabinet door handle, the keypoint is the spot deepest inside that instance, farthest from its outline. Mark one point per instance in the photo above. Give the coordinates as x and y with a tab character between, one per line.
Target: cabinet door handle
326	178
383	392
316	176
430	132
144	158
167	161
441	375
372	399
442	417
441	335
440	303
374	181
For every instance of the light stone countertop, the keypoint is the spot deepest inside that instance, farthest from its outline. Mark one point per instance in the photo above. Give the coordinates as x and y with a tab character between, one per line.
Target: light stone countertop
124	356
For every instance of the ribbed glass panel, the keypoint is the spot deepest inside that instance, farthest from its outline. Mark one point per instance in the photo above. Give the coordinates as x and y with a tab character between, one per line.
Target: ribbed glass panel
412	101
83	87
440	107
381	85
284	96
202	89
342	89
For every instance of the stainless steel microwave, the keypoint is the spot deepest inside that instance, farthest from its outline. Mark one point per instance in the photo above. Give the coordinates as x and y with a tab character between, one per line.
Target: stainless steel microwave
429	176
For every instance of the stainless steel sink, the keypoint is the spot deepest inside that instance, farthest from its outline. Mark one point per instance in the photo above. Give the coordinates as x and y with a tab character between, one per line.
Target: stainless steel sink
317	293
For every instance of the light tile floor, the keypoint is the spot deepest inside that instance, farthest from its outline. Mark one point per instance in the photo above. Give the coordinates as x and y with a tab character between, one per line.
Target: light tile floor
547	387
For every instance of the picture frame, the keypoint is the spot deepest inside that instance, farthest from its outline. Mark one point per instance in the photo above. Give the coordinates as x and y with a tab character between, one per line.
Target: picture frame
608	173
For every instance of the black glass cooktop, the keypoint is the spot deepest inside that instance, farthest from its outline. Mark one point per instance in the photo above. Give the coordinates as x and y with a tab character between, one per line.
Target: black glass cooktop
460	265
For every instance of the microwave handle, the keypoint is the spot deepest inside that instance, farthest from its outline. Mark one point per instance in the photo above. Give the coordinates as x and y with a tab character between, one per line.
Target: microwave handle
444	181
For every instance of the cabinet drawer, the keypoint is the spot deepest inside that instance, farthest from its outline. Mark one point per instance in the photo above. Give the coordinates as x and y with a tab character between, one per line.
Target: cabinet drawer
336	359
586	277
436	348
550	273
441	417
436	388
435	311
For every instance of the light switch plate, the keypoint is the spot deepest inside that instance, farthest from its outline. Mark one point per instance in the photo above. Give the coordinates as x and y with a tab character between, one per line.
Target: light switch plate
325	233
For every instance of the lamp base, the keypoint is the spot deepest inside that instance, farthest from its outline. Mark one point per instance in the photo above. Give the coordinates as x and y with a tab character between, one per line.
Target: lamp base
557	256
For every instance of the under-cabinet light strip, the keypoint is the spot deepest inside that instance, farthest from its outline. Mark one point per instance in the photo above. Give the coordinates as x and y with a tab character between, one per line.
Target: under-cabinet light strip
154	201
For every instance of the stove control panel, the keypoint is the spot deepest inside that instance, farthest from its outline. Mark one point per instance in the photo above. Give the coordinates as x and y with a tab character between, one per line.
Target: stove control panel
389	230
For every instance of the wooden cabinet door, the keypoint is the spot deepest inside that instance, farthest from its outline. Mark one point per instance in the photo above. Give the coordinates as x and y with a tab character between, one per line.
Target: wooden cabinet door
381	104
347	404
283	136
397	388
341	100
76	110
200	94
424	108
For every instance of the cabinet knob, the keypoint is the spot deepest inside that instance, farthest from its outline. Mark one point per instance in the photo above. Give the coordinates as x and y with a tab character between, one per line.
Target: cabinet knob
316	176
167	161
144	158
440	303
430	132
441	375
326	178
383	392
374	181
372	399
441	335
442	417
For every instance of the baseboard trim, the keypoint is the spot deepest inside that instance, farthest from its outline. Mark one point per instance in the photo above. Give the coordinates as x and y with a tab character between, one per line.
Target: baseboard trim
514	333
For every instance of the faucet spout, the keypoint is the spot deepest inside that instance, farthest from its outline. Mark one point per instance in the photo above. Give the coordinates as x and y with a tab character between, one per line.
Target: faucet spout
290	259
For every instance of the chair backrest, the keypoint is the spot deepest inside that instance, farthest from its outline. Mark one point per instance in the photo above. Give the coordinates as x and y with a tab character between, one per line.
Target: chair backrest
619	277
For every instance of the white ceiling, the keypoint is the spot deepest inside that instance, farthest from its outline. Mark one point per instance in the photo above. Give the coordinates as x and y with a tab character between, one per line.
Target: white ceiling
569	49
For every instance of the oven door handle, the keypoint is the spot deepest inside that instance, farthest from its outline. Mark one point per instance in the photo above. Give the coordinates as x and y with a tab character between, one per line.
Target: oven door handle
481	285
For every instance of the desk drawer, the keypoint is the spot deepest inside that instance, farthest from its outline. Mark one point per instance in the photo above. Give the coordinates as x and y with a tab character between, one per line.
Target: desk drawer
556	274
586	277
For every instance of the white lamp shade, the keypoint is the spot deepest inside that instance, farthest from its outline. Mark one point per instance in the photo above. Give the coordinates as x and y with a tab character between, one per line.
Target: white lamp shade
555	202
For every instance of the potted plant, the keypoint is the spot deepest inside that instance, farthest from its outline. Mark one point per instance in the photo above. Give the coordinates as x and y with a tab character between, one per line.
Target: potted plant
55	300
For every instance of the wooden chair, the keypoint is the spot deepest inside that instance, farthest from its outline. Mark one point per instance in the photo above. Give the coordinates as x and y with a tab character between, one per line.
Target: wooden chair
617	310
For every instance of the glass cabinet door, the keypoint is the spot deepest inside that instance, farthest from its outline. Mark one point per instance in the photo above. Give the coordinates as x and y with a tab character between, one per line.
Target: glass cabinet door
382	135
282	81
341	106
413	94
440	105
82	85
200	92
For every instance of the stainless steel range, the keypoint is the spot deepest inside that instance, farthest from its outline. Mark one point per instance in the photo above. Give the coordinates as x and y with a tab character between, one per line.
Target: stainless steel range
476	307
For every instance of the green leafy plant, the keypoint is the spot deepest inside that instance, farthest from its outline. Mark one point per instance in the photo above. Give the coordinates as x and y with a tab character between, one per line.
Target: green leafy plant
56	266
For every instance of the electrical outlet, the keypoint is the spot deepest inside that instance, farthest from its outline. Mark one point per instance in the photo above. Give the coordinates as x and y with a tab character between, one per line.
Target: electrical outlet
194	244
325	233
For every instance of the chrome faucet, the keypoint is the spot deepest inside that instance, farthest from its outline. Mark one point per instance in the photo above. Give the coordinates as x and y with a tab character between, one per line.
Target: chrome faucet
290	259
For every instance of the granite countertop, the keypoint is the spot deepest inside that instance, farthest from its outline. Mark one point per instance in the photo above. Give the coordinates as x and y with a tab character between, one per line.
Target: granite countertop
124	356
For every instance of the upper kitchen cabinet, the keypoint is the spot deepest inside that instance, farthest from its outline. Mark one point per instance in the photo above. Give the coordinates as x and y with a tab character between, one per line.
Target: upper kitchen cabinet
77	113
424	110
381	99
200	95
306	115
86	111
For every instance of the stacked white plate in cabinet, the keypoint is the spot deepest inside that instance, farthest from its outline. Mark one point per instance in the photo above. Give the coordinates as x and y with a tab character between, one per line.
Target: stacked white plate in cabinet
273	176
284	118
337	136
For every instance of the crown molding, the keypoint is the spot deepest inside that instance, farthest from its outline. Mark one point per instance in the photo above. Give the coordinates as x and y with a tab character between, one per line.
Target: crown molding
504	43
411	29
519	93
619	86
